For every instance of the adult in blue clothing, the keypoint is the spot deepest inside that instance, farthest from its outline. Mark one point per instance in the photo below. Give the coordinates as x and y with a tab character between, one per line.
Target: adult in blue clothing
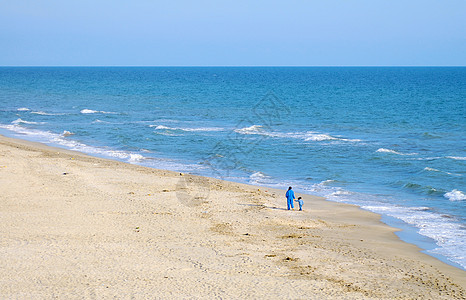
289	198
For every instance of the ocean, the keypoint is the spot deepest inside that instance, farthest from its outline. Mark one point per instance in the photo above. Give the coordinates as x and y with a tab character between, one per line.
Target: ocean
388	139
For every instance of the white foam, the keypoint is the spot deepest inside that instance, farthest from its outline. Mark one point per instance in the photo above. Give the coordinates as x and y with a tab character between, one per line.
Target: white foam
23	109
425	158
431	169
165	130
435	170
447	233
325	189
254	129
207	129
309	136
61	140
325	182
99	121
258	175
42	113
383	150
166	121
160	127
170	164
127	156
90	111
314	136
455	195
67	133
19	121
341	193
456	157
135	157
39	113
200	129
167	133
159	121
259	178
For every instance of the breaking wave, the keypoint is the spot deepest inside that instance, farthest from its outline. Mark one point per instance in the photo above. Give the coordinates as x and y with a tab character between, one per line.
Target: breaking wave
305	136
19	121
196	129
42	113
456	157
90	111
455	195
444	172
66	133
384	150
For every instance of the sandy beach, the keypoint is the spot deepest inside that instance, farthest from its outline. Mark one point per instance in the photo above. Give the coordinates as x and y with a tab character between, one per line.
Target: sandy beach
74	226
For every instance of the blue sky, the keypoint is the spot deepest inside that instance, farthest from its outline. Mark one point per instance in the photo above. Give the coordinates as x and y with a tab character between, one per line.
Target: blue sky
232	33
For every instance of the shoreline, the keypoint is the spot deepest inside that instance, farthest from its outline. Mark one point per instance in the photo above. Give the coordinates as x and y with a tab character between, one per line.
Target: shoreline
331	248
405	232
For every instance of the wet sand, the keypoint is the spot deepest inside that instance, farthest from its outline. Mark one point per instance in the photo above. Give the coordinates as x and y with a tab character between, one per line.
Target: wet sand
75	226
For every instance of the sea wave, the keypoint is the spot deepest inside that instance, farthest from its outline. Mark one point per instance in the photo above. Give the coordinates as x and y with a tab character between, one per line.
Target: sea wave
455	195
19	121
456	157
384	150
61	140
66	133
23	109
423	189
42	113
426	158
444	229
429	135
444	172
307	136
135	157
327	188
163	121
448	234
160	127
327	182
195	129
431	169
341	193
254	129
314	136
90	111
259	178
99	121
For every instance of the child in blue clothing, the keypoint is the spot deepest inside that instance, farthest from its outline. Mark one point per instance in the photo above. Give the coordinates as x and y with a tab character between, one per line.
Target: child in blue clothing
300	202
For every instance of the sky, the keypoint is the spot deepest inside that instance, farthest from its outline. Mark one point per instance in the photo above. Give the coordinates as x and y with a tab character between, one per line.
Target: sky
232	33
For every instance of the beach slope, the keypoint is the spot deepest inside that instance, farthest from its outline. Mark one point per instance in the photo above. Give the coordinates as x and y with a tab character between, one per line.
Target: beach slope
74	226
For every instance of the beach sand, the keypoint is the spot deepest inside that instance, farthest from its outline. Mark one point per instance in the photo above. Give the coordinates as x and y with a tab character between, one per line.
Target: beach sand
74	226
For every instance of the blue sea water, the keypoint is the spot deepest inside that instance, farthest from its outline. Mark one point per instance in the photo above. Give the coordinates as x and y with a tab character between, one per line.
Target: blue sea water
391	140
